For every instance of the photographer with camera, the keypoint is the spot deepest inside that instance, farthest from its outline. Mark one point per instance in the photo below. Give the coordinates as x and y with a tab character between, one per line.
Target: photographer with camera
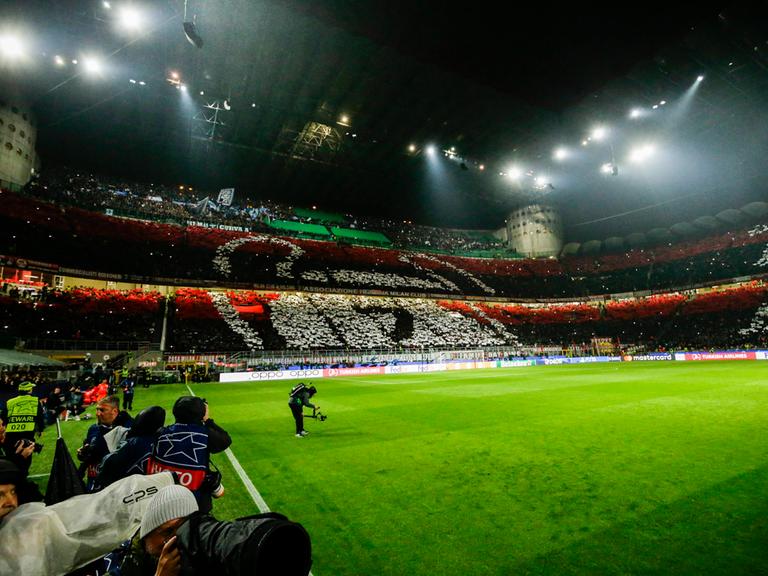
298	398
24	418
21	451
94	448
185	448
176	539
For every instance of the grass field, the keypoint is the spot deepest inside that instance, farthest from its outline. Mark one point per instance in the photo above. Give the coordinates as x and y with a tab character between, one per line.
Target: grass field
652	468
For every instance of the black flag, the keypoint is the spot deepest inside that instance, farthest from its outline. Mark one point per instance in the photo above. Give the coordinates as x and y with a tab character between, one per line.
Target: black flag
64	481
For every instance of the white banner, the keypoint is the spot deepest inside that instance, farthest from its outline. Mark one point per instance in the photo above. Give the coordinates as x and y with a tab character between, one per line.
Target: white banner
226	195
271	375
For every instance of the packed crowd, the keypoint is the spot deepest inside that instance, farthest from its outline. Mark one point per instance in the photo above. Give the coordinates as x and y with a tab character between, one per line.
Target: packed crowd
183	203
145	251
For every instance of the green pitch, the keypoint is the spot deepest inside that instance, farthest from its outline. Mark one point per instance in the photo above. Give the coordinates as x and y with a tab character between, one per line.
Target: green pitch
601	469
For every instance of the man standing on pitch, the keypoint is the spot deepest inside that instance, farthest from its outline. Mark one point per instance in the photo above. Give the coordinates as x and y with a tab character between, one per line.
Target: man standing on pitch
298	398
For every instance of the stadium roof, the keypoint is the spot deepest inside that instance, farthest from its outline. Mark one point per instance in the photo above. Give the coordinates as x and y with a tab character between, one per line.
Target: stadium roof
316	102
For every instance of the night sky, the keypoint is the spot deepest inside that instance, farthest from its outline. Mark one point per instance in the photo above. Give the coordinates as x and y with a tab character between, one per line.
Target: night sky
502	87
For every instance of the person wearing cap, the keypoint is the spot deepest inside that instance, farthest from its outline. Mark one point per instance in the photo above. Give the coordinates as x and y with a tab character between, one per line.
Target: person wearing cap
185	448
24	417
153	551
94	448
15	489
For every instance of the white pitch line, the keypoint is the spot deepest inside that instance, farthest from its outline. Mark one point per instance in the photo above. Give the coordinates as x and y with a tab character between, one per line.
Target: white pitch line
254	493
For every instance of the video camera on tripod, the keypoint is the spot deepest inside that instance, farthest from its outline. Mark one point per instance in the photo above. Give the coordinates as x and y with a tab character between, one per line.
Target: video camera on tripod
317	415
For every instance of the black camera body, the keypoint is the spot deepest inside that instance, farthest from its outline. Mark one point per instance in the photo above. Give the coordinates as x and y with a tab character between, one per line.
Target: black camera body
38	447
265	544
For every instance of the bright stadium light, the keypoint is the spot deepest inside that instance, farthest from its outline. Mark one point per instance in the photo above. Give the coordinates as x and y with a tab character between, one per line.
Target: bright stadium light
183	87
655	106
599	132
106	5
58	60
412	148
130	18
560	153
93	65
662	103
431	150
642	153
606	168
635	113
699	78
514	172
585	142
481	167
11	47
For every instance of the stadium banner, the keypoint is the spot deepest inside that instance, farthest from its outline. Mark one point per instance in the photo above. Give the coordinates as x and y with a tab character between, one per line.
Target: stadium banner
270	375
556	360
226	196
362	371
514	363
652	357
721	355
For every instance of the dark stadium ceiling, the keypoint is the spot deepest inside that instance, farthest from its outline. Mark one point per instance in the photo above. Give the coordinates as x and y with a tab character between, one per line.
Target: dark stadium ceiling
504	87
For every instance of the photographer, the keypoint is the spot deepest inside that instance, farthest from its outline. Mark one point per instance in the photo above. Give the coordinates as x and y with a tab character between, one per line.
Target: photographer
175	539
298	398
94	448
185	448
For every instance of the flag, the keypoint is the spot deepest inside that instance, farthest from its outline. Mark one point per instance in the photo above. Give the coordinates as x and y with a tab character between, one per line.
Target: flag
226	195
64	481
200	208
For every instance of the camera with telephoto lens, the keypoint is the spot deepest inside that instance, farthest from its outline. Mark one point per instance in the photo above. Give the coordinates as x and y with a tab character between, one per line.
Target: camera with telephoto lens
318	415
265	544
212	483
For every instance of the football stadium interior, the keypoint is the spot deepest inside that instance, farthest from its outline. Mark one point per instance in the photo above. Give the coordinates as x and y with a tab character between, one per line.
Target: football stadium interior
519	256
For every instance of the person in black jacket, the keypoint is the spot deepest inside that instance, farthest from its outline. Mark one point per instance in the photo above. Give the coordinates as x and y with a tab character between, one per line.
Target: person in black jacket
299	397
133	456
185	448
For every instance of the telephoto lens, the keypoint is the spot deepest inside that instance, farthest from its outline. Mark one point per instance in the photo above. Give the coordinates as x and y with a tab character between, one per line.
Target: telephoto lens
262	545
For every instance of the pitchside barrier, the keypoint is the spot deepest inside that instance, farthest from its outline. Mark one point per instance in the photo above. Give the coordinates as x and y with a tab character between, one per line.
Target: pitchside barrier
423	367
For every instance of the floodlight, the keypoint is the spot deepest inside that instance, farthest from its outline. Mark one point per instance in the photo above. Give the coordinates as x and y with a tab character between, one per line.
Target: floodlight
106	5
453	148
412	148
74	61
642	153
253	104
482	167
584	142
606	168
344	120
202	93
431	149
662	103
540	180
599	133
560	153
58	60
11	47
514	172
130	18
174	75
132	81
142	83
699	78
93	65
635	113
655	106
183	87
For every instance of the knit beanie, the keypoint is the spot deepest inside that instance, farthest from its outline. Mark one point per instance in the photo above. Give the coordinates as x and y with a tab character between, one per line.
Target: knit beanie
169	503
189	410
10	473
